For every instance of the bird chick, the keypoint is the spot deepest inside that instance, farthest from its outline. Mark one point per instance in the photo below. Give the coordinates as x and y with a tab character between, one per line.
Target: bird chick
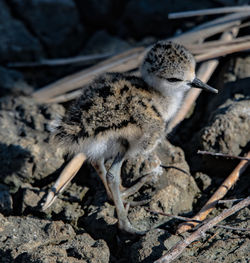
119	116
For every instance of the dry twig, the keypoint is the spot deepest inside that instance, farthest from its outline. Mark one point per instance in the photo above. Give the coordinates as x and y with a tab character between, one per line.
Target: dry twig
188	219
199	233
223	155
60	61
220	193
210	11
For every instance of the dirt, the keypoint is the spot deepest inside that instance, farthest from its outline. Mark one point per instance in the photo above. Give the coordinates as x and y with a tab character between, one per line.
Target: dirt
81	226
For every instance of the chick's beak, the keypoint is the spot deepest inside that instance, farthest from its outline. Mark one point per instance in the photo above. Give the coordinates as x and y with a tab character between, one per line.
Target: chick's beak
197	83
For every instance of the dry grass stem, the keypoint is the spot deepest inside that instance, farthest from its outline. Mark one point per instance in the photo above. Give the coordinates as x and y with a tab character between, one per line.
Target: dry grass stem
223	155
219	194
61	61
210	11
200	232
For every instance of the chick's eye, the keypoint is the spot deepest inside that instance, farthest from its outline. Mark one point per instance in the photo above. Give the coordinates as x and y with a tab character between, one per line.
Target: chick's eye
173	80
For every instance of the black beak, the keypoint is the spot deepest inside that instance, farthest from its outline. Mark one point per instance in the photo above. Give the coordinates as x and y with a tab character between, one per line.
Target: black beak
197	83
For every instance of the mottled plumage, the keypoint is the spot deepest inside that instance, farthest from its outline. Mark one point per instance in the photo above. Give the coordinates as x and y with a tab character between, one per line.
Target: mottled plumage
114	106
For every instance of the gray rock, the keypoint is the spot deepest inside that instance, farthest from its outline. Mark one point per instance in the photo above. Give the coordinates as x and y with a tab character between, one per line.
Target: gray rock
174	191
16	43
227	132
232	83
203	181
26	153
81	249
64	208
25	235
6	202
34	240
55	22
100	220
102	42
98	13
86	248
12	83
152	246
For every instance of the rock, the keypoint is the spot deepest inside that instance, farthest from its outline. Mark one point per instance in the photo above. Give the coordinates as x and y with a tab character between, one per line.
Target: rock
99	13
152	246
55	22
80	249
64	208
83	247
173	192
232	81
227	132
16	43
34	240
101	42
12	83
203	181
152	16
6	202
25	235
26	153
100	220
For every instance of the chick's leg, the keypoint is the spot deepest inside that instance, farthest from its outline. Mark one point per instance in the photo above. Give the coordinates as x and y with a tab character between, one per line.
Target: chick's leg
114	180
101	171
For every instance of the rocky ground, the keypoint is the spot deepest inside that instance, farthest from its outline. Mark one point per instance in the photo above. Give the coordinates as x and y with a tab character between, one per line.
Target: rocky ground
81	226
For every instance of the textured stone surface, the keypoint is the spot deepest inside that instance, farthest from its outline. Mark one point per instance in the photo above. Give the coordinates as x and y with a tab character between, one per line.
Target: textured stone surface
26	153
102	42
16	42
227	131
55	22
33	240
19	235
6	202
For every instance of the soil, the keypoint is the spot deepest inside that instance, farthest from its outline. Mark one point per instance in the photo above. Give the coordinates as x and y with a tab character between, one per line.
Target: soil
81	226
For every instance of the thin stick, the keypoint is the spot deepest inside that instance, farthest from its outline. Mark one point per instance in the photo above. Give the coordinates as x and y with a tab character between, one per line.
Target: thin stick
60	61
65	97
211	28
199	233
197	221
219	194
229	201
223	155
216	43
233	228
173	216
222	51
210	11
83	77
